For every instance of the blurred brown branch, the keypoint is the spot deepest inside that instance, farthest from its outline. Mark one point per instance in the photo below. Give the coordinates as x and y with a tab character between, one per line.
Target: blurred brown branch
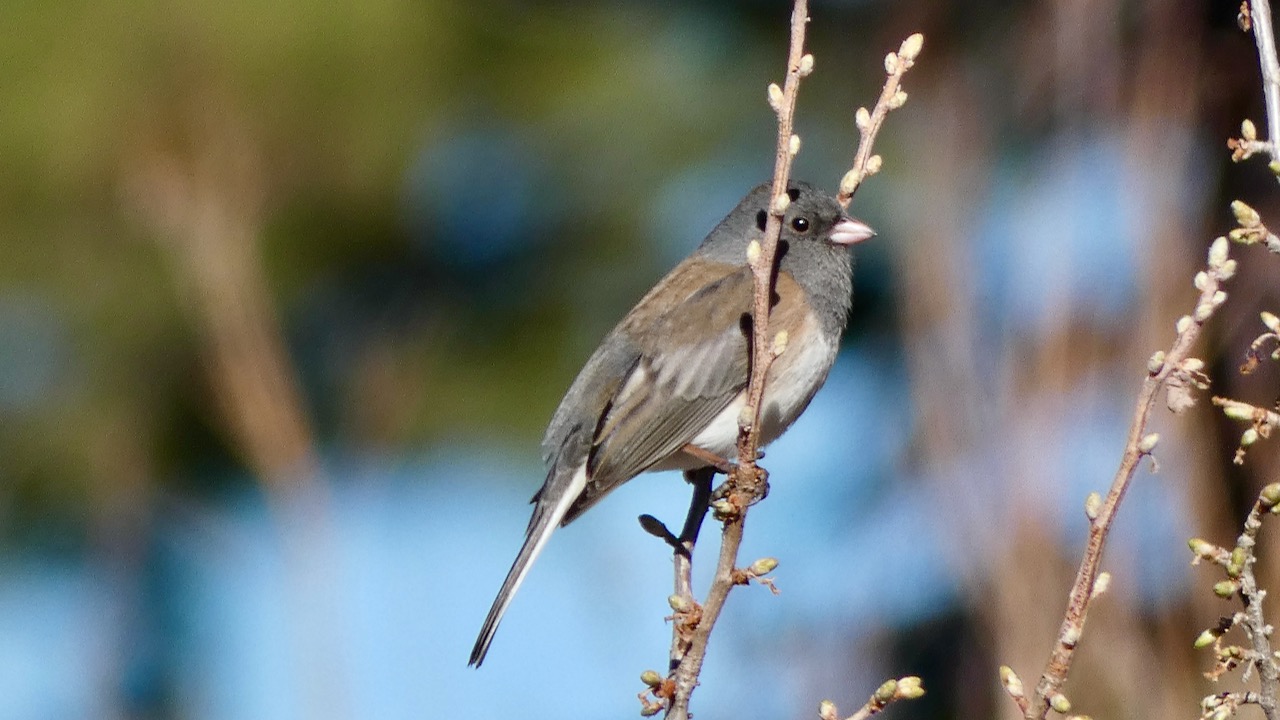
207	213
209	216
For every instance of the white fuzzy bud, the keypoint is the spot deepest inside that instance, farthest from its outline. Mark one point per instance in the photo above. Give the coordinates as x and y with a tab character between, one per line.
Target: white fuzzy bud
1218	252
775	97
806	65
911	47
1148	443
1183	324
1245	215
862	118
850	181
1092	504
1102	584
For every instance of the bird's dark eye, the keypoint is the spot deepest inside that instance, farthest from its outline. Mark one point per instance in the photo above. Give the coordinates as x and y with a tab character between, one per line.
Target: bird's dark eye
800	224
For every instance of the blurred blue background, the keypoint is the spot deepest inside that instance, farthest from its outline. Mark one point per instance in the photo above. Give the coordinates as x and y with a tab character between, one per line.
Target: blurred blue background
288	292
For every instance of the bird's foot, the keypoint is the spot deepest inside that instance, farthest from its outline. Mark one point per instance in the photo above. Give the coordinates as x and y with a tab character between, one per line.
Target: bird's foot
740	491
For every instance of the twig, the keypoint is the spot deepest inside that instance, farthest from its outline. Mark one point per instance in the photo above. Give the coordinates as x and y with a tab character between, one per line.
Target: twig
746	481
1264	37
1262	422
683	556
891	98
1255	15
1177	373
1238	564
907	688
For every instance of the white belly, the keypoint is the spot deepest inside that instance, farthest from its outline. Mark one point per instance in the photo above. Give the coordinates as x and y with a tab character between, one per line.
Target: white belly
793	379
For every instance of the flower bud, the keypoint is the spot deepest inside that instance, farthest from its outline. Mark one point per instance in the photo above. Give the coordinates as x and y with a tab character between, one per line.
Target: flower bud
1270	495
775	97
1245	215
1218	252
1205	639
910	688
886	691
862	118
911	46
1092	504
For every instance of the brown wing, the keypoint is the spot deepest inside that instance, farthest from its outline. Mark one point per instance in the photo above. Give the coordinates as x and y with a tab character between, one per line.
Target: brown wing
684	376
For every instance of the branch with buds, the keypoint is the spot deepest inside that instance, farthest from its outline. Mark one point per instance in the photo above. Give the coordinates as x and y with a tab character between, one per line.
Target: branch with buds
1255	15
1251	231
1178	374
907	688
693	622
892	97
1240	582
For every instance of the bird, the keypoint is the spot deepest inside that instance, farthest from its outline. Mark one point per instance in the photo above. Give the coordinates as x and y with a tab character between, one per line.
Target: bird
674	372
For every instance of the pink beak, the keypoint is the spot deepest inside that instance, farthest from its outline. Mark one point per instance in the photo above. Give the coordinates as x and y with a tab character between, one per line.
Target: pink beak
851	232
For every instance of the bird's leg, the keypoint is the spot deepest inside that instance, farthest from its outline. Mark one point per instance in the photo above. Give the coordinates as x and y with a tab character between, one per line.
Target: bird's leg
685	618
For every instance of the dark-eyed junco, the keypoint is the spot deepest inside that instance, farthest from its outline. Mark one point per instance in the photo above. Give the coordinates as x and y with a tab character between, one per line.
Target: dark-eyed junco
674	371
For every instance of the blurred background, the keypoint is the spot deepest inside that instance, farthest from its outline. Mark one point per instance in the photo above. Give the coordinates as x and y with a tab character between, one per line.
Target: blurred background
288	291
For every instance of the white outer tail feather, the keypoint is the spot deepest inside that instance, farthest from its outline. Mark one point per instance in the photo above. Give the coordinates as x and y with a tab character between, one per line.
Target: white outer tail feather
535	540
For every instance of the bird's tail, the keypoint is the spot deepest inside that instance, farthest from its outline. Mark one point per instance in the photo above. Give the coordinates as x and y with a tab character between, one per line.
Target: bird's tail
547	514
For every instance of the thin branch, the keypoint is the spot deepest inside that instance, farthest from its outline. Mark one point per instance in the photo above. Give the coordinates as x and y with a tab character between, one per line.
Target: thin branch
1264	37
907	688
892	97
1255	15
746	482
683	557
1177	373
1241	580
